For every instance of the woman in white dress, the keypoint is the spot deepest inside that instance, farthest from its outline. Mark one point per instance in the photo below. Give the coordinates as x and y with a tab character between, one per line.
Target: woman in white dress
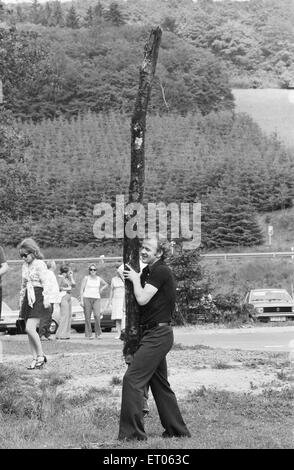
117	301
66	283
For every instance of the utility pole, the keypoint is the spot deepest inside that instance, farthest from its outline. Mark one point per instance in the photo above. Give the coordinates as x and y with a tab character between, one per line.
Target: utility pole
136	188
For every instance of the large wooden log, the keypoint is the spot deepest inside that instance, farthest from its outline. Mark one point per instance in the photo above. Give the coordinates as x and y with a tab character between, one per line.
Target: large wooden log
136	188
1	92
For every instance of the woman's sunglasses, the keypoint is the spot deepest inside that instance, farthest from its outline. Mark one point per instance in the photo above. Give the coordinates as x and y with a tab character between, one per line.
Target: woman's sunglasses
92	269
24	255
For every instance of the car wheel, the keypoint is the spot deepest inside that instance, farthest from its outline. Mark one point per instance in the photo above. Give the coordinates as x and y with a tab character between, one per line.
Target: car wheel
53	327
11	331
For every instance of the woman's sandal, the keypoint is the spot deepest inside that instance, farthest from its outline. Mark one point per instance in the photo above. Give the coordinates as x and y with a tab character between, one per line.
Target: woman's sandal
32	365
41	360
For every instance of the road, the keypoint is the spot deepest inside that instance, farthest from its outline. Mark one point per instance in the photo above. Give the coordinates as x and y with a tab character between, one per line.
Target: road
271	338
275	338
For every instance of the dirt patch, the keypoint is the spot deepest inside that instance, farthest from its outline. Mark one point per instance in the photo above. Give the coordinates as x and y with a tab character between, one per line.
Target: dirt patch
189	368
240	380
234	380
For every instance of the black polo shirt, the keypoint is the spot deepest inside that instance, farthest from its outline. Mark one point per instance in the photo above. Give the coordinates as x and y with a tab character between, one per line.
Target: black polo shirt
161	306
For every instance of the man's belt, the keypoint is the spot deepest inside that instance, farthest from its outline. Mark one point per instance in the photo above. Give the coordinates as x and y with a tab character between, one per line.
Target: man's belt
153	324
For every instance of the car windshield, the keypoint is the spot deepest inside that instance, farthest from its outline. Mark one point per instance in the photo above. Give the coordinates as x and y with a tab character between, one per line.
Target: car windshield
270	296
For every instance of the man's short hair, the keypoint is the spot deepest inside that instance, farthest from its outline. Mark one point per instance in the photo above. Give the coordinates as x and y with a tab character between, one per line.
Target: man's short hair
162	245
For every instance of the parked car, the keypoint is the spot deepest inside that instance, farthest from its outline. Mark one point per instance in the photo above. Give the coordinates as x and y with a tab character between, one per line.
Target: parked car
9	317
78	318
271	304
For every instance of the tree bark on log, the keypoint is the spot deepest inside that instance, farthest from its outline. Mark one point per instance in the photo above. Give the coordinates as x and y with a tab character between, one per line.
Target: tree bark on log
1	92
131	246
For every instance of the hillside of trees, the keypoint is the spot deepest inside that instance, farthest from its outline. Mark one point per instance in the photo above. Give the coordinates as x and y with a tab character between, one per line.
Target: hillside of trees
254	38
65	58
70	77
66	71
222	160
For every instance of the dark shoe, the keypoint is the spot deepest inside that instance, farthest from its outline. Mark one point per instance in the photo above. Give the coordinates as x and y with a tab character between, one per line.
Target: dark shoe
41	360
165	434
32	364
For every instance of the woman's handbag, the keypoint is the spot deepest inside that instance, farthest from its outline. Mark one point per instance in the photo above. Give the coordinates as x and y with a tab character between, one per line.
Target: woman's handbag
21	321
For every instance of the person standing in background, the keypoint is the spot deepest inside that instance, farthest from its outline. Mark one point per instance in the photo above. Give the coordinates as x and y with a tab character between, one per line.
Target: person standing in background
66	283
117	300
3	270
91	288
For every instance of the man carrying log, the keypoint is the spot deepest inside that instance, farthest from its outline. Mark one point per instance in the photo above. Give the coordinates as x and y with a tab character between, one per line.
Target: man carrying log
155	292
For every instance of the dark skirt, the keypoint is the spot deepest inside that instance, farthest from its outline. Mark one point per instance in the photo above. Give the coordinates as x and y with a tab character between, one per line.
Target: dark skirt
38	310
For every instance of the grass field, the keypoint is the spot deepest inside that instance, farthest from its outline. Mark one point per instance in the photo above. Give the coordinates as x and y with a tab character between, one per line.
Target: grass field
240	275
75	402
272	109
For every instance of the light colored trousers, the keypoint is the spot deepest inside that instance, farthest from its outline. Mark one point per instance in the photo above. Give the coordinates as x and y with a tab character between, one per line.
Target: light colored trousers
63	331
92	305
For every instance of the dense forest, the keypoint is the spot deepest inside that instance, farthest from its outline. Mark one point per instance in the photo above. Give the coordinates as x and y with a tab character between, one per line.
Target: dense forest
58	58
220	159
254	39
69	71
70	77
